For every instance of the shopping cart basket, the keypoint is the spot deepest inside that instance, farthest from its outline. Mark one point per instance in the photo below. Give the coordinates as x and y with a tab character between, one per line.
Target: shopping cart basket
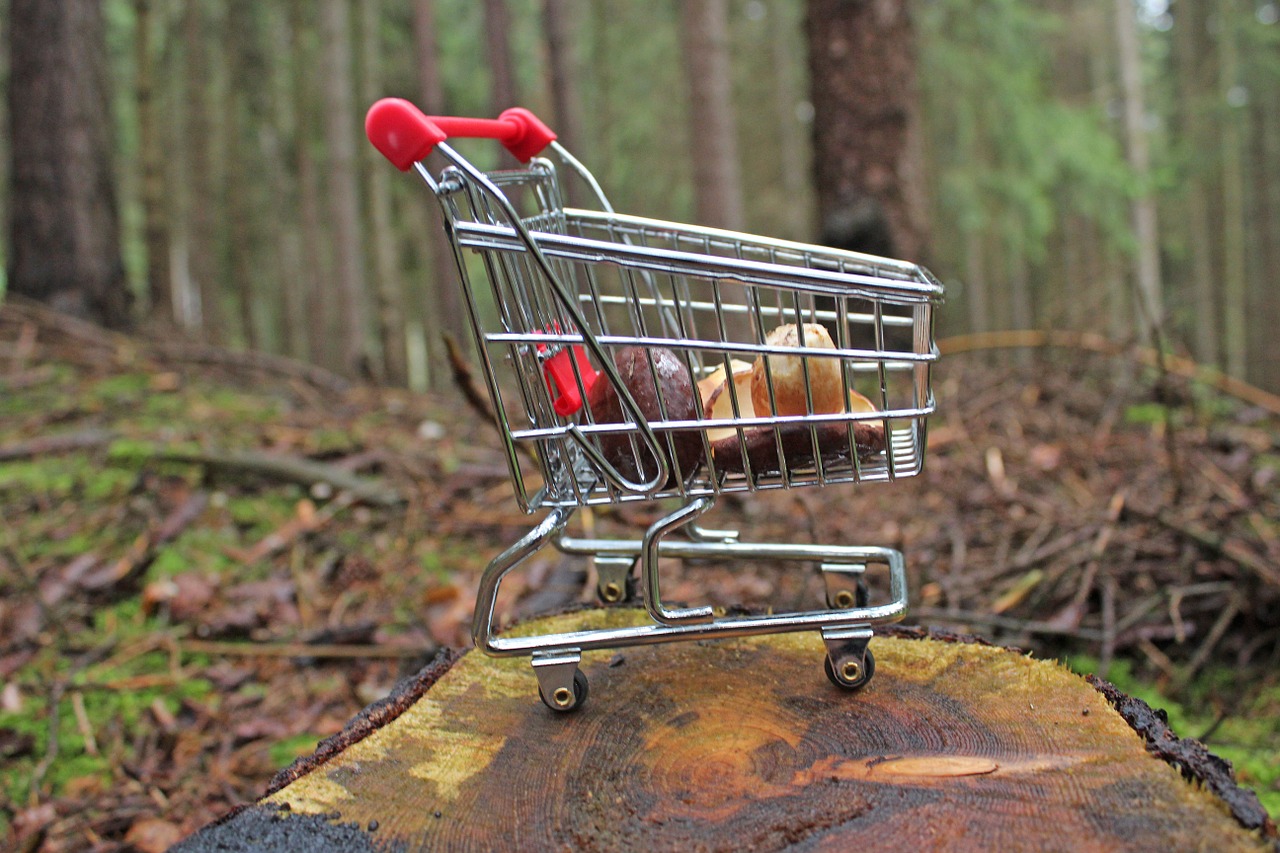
631	359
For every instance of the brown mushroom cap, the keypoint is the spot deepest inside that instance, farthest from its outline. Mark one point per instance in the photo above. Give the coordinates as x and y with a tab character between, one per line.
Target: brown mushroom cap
678	395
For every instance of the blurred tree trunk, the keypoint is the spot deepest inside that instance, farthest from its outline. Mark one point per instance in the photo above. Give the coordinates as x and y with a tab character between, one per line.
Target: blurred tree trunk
792	142
867	156
441	291
427	50
341	124
389	289
238	35
717	182
1264	364
1235	325
64	247
1193	57
1150	297
503	91
201	186
155	216
284	224
317	247
566	103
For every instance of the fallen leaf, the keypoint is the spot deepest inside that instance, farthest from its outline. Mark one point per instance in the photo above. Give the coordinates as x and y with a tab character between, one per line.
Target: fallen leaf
153	835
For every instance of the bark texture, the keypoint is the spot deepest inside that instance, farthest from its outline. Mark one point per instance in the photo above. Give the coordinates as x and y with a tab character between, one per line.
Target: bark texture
743	744
866	133
713	146
341	126
64	231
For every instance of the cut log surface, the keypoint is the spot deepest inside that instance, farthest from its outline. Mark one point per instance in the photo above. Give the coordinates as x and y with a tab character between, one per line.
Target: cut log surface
743	744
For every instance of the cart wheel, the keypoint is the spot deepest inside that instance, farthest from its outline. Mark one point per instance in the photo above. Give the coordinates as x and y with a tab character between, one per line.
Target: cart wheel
562	703
855	679
847	599
610	593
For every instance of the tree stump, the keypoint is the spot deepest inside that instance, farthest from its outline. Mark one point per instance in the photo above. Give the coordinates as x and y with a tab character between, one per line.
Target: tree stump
743	744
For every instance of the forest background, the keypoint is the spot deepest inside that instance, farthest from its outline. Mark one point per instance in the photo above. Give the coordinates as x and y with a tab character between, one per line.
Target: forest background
1100	166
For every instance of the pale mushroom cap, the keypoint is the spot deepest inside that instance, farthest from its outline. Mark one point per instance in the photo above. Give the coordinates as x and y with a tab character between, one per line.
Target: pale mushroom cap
788	374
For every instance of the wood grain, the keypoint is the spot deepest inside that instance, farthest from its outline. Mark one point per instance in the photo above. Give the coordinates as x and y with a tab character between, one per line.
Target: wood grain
743	744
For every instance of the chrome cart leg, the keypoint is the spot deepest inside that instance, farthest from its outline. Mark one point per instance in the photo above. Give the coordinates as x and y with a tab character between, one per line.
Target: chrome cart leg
649	566
562	686
846	587
849	663
487	593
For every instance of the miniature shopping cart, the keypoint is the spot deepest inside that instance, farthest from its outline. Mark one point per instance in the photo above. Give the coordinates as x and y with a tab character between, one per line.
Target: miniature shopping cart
631	359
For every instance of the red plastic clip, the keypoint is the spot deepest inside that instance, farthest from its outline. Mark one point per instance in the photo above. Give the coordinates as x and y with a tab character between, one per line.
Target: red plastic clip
566	398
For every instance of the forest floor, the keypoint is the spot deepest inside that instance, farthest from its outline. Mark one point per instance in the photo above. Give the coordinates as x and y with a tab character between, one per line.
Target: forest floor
210	562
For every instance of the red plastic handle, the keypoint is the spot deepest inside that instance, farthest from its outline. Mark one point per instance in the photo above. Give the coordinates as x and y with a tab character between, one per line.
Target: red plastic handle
404	135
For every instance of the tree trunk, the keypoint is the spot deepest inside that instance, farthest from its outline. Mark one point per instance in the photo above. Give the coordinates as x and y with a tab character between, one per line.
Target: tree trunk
441	290
64	247
1235	319
389	291
316	273
794	158
341	124
155	218
1266	164
503	91
241	177
559	27
1193	58
284	225
201	189
744	745
976	283
717	181
1150	313
866	129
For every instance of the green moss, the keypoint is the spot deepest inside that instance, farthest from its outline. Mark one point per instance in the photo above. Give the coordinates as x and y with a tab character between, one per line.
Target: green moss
122	388
1146	413
284	751
258	515
197	549
49	476
107	709
108	483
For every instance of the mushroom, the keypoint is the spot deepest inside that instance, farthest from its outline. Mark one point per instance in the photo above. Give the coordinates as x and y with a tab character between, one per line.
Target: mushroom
675	389
789	373
796	438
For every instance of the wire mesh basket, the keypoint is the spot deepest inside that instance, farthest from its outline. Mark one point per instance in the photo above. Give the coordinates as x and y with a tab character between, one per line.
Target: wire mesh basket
633	359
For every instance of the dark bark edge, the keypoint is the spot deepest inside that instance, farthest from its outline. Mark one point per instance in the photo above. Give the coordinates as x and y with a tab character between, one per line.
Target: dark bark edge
1190	757
405	693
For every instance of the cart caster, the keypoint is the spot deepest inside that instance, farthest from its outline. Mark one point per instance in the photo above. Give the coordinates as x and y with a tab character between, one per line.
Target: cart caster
846	587
562	687
847	598
616	581
851	674
849	664
565	699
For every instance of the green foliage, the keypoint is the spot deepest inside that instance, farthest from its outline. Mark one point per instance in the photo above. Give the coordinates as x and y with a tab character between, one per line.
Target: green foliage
1146	414
1012	159
284	751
